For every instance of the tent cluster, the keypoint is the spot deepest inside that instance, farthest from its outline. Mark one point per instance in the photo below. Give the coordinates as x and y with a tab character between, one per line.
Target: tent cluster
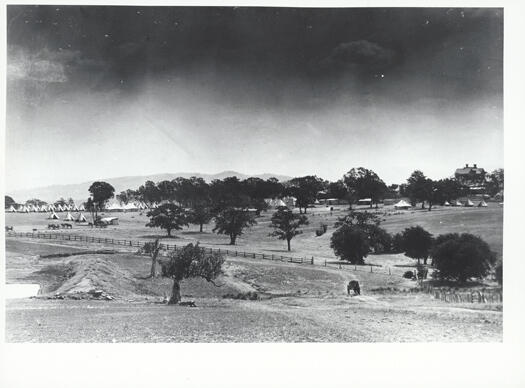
468	203
45	208
69	217
132	206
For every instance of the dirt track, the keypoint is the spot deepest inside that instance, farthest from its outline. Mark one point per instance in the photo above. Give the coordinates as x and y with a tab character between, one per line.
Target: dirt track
300	303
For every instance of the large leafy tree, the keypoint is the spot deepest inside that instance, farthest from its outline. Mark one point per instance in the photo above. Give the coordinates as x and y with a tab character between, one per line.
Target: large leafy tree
305	189
101	192
149	192
167	216
200	215
337	190
36	202
417	188
190	262
232	222
378	238
286	224
365	183
228	193
449	189
417	243
495	182
8	202
461	257
350	243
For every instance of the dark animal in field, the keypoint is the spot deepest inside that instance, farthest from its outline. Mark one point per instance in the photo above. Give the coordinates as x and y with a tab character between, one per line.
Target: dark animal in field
53	226
34	230
66	226
90	224
353	285
8	228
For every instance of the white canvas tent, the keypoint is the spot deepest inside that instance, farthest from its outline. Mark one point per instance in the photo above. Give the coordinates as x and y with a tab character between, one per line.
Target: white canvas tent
59	208
69	217
113	207
446	203
482	204
457	203
11	209
130	206
81	218
50	207
402	204
469	203
23	209
53	216
82	208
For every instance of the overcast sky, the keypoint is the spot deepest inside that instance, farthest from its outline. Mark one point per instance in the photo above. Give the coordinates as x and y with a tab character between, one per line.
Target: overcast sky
96	92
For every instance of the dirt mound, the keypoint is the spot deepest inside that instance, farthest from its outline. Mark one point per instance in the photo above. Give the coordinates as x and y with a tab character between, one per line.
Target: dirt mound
96	278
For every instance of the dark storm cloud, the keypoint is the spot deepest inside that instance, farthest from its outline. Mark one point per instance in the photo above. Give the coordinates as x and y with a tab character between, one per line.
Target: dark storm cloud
124	47
358	55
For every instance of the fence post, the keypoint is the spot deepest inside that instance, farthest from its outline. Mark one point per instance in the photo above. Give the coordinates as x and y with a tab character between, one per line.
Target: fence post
312	260
370	268
325	263
355	267
254	255
390	273
244	254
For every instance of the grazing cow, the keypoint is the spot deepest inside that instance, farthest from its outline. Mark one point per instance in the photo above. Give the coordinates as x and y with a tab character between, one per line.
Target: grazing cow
8	228
353	285
34	230
66	226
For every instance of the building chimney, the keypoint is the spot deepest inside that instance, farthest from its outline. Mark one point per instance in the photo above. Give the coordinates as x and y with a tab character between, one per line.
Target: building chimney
475	165
466	165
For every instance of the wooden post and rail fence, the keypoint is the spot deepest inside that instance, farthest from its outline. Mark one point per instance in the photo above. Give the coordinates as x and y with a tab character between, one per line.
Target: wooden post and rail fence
447	295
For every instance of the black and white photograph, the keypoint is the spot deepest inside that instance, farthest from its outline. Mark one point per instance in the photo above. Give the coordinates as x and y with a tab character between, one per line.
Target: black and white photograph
227	174
254	174
189	175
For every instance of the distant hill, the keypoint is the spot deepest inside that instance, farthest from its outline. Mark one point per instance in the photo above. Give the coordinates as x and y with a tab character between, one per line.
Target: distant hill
79	191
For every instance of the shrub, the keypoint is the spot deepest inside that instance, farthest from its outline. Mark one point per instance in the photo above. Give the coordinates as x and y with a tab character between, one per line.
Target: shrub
243	296
321	230
350	243
408	275
417	243
380	239
461	257
397	243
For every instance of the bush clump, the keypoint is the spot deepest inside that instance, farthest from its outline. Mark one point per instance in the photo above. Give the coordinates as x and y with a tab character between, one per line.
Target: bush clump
461	257
321	230
250	295
408	275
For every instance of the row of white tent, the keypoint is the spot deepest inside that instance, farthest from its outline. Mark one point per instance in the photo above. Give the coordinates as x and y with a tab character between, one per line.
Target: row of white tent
468	203
69	217
132	206
74	208
45	208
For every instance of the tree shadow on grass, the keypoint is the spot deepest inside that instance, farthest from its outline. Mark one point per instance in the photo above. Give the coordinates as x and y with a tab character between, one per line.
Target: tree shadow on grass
159	236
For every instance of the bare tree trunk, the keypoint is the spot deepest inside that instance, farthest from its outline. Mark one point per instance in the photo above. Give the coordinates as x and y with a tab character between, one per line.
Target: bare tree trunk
232	239
169	232
155	253
175	293
200	228
288	241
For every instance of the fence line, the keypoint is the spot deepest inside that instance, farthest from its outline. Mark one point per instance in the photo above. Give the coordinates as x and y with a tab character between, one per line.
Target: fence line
167	247
173	247
485	295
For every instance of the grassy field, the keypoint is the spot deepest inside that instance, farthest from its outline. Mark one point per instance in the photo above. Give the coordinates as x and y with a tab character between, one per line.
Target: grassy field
297	303
485	222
